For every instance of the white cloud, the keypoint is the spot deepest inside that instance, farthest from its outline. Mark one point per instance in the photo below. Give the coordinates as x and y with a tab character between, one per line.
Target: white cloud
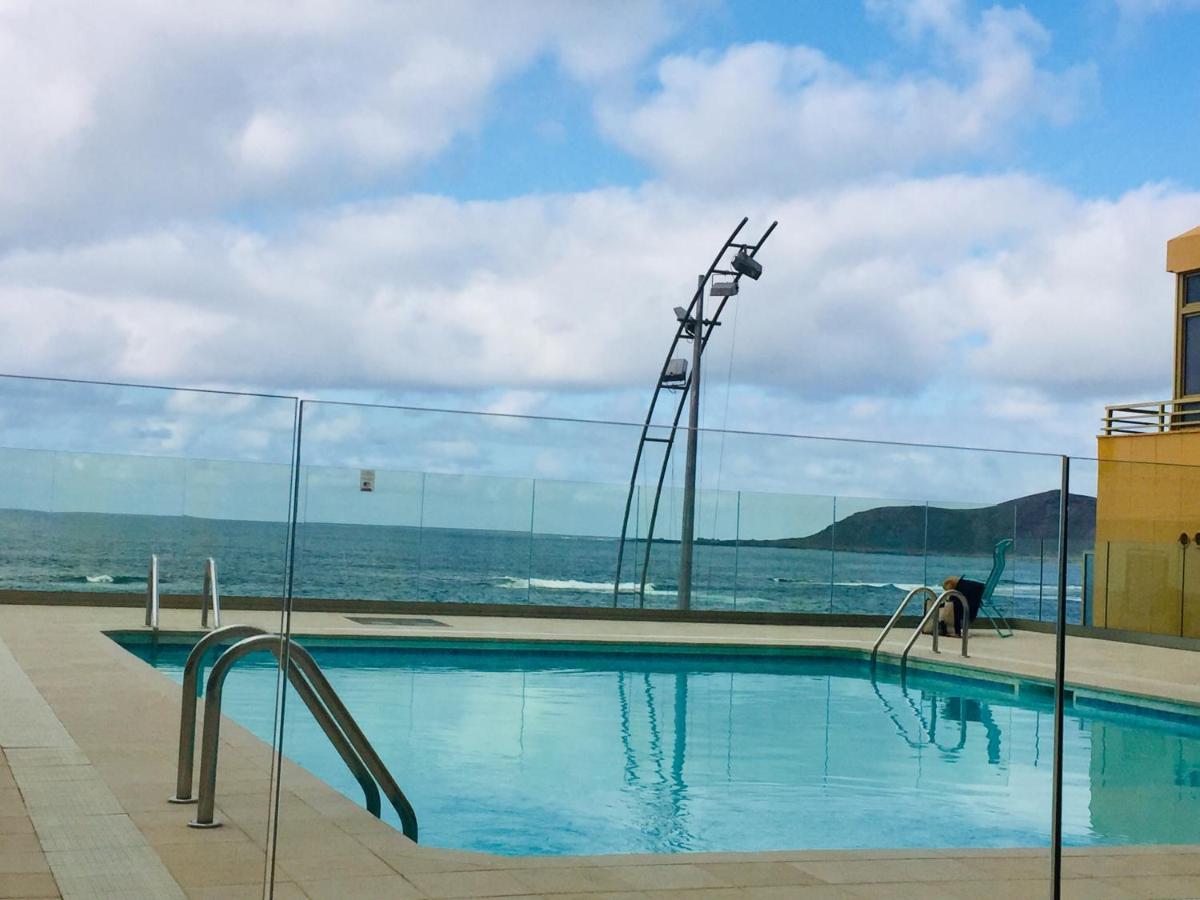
870	292
128	112
767	115
891	300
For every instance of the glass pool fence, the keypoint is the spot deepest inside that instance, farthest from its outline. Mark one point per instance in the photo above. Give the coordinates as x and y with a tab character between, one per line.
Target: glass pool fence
317	501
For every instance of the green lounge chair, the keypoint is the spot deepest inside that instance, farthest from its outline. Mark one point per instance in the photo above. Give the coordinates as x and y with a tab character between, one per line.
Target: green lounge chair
999	622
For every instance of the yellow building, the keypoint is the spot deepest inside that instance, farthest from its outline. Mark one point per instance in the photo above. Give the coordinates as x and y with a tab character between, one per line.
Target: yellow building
1147	563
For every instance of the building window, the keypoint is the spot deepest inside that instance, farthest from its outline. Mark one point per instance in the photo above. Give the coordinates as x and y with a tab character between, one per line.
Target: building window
1191	288
1191	355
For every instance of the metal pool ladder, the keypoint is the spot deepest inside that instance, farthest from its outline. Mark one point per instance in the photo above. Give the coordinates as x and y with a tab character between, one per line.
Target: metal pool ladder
939	600
896	616
318	695
210	598
152	600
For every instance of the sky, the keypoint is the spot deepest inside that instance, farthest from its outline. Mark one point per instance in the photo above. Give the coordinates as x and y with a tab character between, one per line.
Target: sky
495	207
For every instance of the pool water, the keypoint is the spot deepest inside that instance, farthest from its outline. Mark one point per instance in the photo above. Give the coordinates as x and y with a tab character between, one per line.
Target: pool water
513	750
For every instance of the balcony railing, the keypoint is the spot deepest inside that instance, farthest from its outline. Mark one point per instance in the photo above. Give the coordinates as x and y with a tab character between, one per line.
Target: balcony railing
1153	417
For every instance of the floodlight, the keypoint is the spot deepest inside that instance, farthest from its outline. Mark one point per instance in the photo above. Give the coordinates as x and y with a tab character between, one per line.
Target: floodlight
745	264
723	289
689	324
676	371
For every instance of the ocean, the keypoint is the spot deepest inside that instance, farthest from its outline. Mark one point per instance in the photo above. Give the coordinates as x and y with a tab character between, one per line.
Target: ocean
110	553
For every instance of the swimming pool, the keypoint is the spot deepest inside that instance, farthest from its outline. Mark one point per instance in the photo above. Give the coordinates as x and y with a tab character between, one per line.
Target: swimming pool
515	749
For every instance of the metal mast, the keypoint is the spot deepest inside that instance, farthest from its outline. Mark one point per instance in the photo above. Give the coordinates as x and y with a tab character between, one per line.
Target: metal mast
674	377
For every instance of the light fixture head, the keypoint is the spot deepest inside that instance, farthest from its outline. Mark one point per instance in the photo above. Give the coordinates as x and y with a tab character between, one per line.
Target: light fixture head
676	371
689	323
745	264
723	289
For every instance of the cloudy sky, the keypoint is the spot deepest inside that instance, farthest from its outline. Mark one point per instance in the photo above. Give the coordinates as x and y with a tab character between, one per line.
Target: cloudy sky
495	206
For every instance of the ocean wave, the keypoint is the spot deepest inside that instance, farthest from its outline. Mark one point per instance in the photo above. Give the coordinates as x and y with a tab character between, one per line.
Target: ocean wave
568	584
103	578
858	584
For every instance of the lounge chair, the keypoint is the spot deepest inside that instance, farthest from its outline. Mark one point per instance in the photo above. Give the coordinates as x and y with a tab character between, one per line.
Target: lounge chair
999	622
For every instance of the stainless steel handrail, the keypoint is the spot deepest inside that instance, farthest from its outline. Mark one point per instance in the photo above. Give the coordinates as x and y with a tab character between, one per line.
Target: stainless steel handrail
936	607
326	707
896	615
152	599
211	595
192	684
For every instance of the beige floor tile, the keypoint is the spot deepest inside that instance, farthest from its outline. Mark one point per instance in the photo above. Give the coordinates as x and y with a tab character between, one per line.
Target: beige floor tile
667	877
229	863
27	776
1145	864
87	832
1015	889
20	843
384	887
793	892
361	863
16	825
1093	889
891	890
1003	867
108	871
22	862
46	756
1159	886
89	798
406	857
562	879
226	892
11	803
467	884
756	874
178	832
318	844
851	871
27	885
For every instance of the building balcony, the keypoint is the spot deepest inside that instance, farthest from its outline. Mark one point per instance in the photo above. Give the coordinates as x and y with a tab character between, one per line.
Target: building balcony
1154	417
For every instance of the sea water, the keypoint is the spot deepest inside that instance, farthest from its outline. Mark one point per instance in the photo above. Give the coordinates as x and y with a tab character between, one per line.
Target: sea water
110	553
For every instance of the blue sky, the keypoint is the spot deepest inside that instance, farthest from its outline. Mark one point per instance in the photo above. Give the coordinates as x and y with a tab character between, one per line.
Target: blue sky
495	207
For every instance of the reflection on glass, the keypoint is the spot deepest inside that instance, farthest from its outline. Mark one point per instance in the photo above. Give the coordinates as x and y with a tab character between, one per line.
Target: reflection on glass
785	559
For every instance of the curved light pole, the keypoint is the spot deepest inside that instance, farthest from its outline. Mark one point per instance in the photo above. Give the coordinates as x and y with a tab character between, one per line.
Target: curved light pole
674	376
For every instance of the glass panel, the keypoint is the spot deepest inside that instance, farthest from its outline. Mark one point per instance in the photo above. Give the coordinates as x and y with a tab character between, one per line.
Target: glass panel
1132	739
356	544
785	554
575	531
715	561
1191	288
879	553
476	539
94	479
1191	355
590	729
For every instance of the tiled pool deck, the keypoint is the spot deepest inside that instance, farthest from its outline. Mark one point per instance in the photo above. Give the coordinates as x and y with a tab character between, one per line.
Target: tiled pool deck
87	753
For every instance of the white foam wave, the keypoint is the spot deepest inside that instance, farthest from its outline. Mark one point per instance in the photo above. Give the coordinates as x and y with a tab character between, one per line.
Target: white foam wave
569	584
99	579
858	584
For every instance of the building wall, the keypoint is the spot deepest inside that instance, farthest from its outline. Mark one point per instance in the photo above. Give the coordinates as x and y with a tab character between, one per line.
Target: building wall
1148	494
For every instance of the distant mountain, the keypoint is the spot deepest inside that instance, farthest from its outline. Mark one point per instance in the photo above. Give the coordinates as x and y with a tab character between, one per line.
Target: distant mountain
916	529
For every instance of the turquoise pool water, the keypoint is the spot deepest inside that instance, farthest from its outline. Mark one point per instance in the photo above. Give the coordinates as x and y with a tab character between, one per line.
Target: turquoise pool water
513	750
